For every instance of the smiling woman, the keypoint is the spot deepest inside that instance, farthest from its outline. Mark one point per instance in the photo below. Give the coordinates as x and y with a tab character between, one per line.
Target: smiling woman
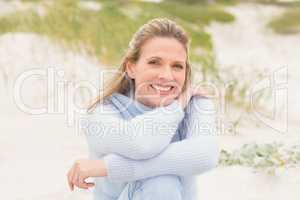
151	132
159	72
157	57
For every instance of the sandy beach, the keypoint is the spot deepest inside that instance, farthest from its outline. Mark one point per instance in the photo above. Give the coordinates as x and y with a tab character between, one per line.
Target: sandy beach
37	150
250	45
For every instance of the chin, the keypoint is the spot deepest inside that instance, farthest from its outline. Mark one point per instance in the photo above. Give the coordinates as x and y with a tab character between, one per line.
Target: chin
161	102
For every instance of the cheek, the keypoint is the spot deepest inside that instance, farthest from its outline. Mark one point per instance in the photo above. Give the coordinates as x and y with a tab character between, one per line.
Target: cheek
180	79
143	80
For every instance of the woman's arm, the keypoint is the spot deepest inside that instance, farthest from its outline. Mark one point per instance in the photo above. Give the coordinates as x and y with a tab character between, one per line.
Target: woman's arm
142	137
194	155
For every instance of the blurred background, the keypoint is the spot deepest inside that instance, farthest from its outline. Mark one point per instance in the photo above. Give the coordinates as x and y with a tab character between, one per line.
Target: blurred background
246	52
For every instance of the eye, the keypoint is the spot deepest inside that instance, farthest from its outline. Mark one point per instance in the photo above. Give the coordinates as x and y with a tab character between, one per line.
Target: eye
178	66
153	62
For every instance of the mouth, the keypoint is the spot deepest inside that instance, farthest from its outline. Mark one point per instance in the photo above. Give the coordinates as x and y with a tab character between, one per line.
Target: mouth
163	89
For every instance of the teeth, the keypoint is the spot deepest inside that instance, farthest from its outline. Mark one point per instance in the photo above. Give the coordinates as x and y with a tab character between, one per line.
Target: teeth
162	88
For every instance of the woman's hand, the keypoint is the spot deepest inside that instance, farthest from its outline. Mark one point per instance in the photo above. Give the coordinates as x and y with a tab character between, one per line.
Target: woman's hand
185	97
83	169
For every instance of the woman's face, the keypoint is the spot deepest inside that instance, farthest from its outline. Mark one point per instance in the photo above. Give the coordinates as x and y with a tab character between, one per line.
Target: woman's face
159	73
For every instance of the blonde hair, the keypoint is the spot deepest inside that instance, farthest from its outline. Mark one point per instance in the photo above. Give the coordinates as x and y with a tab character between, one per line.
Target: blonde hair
157	27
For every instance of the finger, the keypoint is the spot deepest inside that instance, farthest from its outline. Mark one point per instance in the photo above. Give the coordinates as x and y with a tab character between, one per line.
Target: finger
201	92
71	179
194	90
90	184
75	178
85	184
197	90
82	183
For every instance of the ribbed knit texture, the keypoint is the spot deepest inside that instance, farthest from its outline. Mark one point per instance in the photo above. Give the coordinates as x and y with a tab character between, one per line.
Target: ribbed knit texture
138	142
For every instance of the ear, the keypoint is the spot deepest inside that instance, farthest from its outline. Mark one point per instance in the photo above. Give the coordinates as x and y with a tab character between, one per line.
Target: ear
130	69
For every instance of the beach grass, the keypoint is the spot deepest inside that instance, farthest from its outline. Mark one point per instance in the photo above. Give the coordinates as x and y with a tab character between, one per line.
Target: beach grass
288	22
105	33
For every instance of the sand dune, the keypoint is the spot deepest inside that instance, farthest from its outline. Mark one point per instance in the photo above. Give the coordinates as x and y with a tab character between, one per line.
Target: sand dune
37	150
250	46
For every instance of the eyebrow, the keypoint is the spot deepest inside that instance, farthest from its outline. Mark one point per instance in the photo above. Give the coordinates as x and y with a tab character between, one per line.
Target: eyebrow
157	57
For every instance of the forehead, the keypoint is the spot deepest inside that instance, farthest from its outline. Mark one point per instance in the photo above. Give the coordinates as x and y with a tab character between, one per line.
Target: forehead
165	48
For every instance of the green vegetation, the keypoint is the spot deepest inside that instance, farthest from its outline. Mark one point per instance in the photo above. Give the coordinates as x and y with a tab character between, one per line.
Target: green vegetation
205	1
266	157
106	33
288	22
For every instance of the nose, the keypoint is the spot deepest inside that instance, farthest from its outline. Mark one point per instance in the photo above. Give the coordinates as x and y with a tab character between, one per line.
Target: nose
165	73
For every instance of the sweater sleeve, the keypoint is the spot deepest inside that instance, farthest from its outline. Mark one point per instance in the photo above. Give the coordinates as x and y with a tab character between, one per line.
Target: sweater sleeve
141	137
196	154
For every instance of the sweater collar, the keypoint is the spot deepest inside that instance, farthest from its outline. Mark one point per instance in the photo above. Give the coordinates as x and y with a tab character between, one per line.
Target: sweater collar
127	105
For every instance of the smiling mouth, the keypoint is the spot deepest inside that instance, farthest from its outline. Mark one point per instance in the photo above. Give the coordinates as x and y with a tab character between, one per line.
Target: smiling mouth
163	90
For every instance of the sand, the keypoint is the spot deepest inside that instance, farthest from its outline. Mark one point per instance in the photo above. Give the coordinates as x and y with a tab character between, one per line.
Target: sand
37	150
248	44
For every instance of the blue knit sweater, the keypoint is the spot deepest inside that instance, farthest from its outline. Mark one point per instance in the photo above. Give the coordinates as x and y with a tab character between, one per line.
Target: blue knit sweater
138	142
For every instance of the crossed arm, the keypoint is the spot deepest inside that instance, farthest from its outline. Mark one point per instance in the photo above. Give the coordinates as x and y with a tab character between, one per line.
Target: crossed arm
142	137
197	153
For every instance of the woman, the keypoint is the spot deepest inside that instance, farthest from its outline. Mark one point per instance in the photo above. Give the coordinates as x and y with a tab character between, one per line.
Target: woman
151	132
